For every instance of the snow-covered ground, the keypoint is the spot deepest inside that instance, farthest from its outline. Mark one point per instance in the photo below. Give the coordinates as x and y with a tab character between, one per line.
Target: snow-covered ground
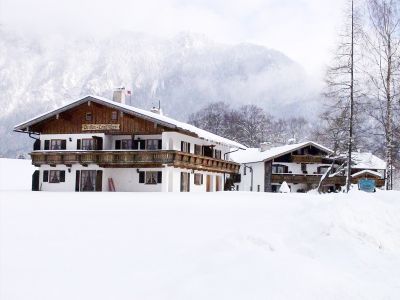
16	174
199	246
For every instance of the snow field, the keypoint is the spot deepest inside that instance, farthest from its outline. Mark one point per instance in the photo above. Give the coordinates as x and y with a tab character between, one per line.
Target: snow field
227	245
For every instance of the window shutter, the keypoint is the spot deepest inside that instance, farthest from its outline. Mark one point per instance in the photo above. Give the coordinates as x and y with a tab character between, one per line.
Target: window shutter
141	177
78	144
201	179
99	180
47	145
36	145
77	180
117	144
63	144
62	176
188	183
45	176
159	177
159	144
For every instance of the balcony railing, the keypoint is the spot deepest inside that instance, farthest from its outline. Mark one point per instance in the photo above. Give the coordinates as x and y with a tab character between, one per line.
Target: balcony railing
315	179
306	159
118	159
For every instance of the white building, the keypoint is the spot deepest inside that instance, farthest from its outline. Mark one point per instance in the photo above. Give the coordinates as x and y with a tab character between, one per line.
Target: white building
95	144
301	166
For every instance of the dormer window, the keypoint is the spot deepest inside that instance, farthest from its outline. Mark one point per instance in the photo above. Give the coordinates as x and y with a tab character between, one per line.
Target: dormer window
88	116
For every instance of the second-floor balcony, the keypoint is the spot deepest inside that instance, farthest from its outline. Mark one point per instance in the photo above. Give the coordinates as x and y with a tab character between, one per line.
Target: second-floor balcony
134	159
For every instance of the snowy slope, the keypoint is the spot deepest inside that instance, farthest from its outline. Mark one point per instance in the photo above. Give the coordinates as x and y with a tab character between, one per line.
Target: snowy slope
16	174
39	73
199	246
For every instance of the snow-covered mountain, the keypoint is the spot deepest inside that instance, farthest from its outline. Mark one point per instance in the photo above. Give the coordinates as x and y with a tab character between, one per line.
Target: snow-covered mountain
38	73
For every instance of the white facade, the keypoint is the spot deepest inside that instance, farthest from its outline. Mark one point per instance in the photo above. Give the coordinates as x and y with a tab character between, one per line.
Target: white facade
127	179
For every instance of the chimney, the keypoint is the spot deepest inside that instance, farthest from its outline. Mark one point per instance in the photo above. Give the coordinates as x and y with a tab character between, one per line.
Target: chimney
265	146
119	95
156	110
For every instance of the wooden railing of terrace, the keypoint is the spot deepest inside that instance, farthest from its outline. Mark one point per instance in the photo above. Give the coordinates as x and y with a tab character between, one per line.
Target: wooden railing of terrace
134	159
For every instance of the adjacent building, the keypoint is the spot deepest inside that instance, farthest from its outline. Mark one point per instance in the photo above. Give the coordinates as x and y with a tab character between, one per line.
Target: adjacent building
301	166
97	144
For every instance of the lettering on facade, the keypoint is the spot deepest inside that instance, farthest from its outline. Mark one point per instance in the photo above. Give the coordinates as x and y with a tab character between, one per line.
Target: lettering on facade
86	127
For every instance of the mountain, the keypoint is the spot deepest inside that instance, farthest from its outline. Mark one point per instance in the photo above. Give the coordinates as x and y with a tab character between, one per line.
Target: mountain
38	73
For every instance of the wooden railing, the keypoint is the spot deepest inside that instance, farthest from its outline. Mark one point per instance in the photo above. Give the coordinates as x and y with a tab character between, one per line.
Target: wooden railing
306	159
308	179
315	179
115	159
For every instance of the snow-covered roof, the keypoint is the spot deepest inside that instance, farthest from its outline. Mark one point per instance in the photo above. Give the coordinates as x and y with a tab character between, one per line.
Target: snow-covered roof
157	118
366	160
367	172
255	155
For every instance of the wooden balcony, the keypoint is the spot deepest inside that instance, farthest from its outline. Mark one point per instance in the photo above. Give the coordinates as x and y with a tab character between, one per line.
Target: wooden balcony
307	159
134	159
315	179
307	179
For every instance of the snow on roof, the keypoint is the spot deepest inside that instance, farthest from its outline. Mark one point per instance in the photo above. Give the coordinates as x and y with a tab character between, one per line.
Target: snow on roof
255	155
367	172
163	120
366	160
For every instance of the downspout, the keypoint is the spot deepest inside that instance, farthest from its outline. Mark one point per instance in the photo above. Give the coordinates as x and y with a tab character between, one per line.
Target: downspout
225	154
251	178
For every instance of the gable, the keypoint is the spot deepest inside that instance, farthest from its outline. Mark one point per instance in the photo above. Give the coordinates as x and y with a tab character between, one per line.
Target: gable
102	119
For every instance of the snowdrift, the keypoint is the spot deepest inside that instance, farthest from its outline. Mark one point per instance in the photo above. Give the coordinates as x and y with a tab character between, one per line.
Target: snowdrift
199	246
16	174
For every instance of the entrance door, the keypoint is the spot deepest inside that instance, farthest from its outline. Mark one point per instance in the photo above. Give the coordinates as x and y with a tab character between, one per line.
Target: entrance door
35	181
208	183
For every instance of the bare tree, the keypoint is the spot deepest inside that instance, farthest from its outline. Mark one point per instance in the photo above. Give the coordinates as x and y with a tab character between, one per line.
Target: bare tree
382	44
341	94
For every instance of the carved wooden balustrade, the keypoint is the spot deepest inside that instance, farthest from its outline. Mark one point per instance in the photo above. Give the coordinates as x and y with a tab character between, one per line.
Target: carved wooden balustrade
134	158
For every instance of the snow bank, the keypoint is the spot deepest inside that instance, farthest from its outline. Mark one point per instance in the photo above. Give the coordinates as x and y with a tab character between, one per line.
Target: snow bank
16	174
199	246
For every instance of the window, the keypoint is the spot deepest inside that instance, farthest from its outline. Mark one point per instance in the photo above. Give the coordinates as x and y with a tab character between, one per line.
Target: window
218	183
88	144
278	169
198	150
153	144
258	188
218	154
150	177
185	147
58	144
88	116
56	176
114	115
322	170
198	179
304	168
185	182
275	188
88	180
126	144
139	144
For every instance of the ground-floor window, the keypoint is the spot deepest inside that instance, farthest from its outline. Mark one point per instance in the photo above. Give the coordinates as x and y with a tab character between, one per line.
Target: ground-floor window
185	182
275	188
53	176
88	180
218	183
150	177
198	179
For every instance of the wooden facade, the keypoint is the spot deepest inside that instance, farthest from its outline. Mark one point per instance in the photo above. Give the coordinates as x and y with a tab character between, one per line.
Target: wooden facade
74	120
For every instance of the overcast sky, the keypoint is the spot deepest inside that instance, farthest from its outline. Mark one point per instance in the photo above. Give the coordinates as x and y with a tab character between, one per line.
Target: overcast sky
305	30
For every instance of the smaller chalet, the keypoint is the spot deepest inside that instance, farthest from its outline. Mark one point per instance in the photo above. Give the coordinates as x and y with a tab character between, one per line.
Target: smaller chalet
97	144
301	166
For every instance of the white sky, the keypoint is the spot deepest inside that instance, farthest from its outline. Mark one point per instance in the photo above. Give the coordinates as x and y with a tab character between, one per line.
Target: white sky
305	30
